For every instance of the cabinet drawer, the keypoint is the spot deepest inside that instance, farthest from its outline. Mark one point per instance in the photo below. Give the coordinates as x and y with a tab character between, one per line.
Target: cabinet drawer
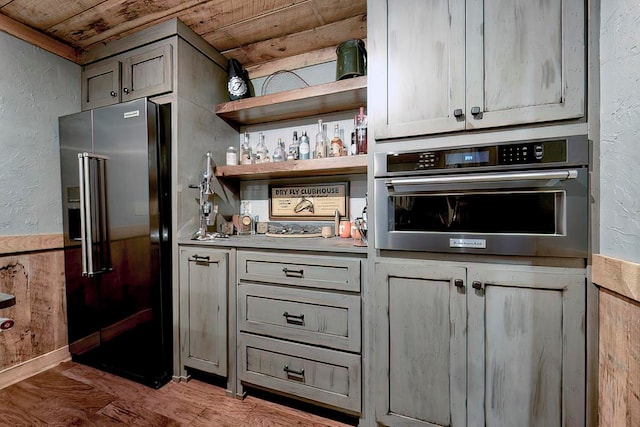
325	272
326	376
312	317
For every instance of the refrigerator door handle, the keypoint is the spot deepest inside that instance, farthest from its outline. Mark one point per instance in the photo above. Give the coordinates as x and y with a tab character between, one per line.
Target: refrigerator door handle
86	214
84	208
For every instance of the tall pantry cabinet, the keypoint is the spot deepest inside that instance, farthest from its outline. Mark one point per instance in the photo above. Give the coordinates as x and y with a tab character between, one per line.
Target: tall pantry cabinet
173	66
454	65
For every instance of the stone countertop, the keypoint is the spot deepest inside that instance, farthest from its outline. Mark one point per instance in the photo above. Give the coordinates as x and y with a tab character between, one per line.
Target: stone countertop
260	241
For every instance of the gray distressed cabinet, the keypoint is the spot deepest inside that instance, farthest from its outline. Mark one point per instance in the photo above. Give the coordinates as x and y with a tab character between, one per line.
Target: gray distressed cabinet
143	72
299	326
479	344
203	309
459	65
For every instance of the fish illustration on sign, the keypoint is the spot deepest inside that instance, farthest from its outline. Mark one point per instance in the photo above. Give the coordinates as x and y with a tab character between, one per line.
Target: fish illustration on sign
304	205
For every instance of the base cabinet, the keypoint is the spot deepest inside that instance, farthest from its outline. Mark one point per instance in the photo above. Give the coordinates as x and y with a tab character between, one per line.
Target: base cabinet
203	309
480	345
299	326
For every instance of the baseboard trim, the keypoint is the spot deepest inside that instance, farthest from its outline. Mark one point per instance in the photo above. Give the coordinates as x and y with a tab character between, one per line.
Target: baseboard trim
616	275
34	366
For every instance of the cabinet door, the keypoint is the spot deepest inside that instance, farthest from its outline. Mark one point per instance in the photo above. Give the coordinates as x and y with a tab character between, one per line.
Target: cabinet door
525	61
147	74
421	344
101	85
203	309
526	346
417	66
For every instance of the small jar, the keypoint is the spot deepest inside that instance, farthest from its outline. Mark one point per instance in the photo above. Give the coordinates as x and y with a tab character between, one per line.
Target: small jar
232	156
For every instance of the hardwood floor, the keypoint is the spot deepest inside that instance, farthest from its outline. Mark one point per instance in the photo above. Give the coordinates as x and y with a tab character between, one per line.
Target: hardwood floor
76	395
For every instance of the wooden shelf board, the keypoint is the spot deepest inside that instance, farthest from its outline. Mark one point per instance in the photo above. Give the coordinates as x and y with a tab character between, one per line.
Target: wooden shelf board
296	168
331	97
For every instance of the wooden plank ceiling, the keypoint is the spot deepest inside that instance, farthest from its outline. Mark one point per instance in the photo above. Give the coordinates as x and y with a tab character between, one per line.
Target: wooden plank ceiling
255	32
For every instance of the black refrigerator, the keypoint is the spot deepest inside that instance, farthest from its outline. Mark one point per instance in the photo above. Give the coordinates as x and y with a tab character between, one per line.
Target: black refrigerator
115	169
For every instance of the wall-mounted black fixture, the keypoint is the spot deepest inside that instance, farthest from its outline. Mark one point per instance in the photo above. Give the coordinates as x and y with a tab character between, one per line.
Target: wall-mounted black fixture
7	300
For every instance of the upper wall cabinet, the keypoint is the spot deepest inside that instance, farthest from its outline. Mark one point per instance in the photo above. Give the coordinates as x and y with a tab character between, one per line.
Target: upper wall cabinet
443	66
143	72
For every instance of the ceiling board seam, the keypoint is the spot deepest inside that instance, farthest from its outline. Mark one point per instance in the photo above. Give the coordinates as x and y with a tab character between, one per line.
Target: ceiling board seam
255	17
314	7
70	17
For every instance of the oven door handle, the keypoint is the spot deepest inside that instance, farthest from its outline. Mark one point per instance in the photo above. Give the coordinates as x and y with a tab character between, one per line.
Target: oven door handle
486	178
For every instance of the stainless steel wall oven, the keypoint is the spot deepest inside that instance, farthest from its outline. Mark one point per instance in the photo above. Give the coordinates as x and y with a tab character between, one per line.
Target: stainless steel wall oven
528	198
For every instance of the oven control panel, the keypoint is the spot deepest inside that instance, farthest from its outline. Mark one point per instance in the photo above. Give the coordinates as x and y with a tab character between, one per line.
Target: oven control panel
505	154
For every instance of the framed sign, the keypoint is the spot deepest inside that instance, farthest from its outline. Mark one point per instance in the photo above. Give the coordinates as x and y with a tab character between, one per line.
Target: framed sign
308	202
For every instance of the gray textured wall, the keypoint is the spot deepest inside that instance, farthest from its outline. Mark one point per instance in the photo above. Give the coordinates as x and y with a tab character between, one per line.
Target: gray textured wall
620	129
35	88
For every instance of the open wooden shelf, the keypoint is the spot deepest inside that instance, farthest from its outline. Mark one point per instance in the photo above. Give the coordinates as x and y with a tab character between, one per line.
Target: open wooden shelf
297	168
342	95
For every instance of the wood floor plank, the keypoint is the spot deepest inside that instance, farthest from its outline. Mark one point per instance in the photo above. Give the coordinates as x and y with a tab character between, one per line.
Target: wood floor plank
106	382
131	413
74	394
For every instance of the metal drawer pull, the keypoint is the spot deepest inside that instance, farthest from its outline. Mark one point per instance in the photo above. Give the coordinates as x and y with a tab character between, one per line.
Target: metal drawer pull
297	319
459	283
293	273
293	372
199	258
476	285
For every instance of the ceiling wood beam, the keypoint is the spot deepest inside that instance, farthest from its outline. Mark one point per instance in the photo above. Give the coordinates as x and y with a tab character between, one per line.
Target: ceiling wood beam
293	62
38	39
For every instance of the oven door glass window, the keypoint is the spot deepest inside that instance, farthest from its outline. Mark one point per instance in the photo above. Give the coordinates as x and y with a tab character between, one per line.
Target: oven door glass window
493	212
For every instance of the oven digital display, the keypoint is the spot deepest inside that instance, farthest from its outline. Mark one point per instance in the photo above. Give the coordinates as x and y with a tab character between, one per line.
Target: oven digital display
467	157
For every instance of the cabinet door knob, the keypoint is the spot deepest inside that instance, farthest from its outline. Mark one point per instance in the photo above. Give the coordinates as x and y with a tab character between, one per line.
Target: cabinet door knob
476	285
459	283
475	111
457	113
125	90
113	93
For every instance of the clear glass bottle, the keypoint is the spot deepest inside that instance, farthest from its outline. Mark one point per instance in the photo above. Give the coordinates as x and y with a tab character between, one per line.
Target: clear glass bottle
305	147
262	153
294	148
322	142
245	151
361	132
279	153
232	156
337	147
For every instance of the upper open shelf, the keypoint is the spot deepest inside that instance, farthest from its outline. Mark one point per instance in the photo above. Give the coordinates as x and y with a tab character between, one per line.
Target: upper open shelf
341	95
346	165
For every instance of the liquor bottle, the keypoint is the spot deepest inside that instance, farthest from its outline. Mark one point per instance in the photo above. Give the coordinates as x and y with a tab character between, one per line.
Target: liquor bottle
352	146
321	141
262	153
278	153
245	151
337	147
361	132
305	147
294	148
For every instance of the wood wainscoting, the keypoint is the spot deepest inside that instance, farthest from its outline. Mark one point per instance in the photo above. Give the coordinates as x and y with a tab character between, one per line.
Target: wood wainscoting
32	269
619	341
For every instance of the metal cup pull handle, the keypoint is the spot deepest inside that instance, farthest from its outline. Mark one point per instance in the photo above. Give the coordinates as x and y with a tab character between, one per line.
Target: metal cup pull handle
297	319
293	371
293	273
